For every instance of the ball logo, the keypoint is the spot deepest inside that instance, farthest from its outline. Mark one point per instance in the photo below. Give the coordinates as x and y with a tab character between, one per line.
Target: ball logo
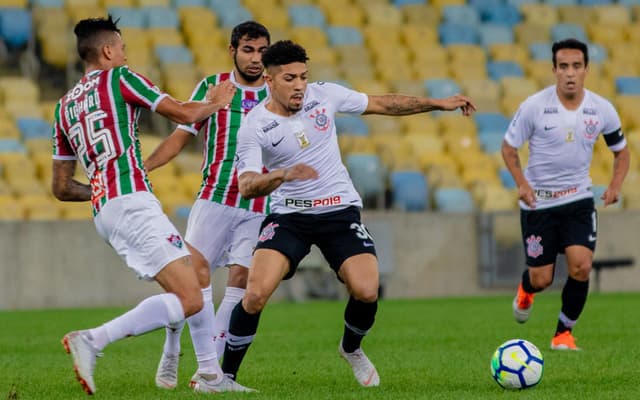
268	232
248	104
534	248
320	120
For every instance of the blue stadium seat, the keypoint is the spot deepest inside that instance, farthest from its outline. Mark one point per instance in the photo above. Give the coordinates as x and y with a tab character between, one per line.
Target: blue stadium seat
494	33
47	3
452	33
15	26
174	55
367	174
629	3
596	2
182	212
597	53
566	31
306	15
33	128
11	146
129	17
232	16
491	122
453	200
409	190
399	3
491	142
352	125
499	69
628	85
557	3
220	5
189	3
519	3
503	14
481	5
162	17
439	88
540	51
344	35
460	14
506	179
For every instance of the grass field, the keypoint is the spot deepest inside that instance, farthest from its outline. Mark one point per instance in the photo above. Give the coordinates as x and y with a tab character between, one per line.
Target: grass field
423	349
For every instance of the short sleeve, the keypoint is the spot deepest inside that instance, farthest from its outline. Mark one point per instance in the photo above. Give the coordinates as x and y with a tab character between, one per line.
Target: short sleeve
198	94
138	90
249	149
521	126
62	149
346	100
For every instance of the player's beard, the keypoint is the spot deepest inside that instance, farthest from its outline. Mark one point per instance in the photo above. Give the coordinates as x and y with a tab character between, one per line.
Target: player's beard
244	75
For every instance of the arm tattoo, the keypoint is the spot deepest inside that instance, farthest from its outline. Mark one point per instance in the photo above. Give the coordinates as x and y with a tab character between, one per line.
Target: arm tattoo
405	105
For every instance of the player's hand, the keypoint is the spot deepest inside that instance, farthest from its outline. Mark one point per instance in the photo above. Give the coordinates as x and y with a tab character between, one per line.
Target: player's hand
299	172
464	103
610	196
221	94
526	194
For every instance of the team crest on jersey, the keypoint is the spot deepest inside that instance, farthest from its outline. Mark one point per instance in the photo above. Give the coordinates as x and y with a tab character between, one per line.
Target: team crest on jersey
534	248
175	240
248	104
320	119
268	232
590	128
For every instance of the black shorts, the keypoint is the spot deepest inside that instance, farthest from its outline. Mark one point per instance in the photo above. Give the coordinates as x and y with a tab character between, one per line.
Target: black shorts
547	232
338	234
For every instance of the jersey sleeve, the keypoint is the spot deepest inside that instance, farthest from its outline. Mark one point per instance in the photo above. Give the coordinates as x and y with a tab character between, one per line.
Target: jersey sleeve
61	147
198	94
611	128
347	101
138	90
521	126
249	148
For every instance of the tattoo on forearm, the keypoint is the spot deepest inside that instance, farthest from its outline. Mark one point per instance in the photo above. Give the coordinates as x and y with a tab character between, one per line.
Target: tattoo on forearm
403	105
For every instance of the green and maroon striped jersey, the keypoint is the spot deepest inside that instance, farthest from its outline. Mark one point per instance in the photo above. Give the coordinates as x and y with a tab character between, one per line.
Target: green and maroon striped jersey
219	172
96	123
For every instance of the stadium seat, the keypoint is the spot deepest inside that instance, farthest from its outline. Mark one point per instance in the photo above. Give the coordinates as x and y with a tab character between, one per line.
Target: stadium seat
15	26
351	124
500	69
629	85
32	128
452	33
189	3
383	124
439	88
501	14
421	14
539	14
420	123
153	3
518	87
400	3
492	33
306	15
566	31
463	15
409	190
367	174
595	2
47	3
162	17
453	200
345	15
597	54
11	146
232	16
382	15
509	52
558	3
344	35
174	55
494	198
527	33
129	17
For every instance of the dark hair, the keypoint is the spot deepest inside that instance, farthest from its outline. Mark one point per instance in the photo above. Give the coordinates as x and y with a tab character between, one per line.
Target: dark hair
284	52
90	35
570	44
251	29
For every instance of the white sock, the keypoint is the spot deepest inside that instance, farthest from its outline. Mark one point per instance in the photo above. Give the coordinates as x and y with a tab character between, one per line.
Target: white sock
201	328
232	296
152	313
172	338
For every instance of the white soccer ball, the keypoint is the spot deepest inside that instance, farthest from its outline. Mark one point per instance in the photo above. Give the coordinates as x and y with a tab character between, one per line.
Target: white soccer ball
517	364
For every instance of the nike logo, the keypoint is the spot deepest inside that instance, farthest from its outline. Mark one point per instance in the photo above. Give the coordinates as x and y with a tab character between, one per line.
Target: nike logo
367	244
548	128
367	381
592	238
274	144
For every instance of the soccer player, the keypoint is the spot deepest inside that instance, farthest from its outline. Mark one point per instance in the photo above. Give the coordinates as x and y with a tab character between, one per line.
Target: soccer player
293	135
222	227
96	125
562	123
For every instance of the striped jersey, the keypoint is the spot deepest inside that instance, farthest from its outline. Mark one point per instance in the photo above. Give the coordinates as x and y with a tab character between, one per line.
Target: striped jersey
219	169
96	123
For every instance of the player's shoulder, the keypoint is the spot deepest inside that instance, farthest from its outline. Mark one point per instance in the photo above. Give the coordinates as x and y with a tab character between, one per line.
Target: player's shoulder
598	100
543	99
258	117
215	79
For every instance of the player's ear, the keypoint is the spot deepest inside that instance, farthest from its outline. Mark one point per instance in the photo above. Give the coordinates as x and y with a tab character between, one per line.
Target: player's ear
232	51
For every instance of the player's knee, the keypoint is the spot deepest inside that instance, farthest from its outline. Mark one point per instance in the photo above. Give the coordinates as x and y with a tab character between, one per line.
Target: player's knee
541	281
582	271
203	274
365	294
192	303
254	302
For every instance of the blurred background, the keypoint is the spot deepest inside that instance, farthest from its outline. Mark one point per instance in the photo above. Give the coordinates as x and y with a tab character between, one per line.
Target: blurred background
432	183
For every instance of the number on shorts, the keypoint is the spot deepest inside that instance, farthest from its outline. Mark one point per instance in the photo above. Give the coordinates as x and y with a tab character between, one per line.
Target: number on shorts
361	231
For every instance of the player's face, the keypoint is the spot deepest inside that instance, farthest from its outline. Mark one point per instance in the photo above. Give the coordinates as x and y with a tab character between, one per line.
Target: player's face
247	58
288	84
570	71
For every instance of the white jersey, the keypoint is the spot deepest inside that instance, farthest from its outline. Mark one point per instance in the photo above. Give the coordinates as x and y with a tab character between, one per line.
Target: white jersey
561	144
309	137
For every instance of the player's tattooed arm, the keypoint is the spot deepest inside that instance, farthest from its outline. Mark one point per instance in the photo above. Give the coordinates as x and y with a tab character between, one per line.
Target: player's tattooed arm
64	187
398	104
253	184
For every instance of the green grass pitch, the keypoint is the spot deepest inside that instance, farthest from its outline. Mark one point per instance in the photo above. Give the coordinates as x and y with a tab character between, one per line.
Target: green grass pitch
423	349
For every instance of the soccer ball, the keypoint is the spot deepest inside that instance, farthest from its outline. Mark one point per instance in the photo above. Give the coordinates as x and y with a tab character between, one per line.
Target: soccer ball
517	364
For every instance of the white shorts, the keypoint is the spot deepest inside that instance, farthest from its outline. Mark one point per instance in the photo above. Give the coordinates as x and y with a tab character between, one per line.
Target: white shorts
224	235
142	235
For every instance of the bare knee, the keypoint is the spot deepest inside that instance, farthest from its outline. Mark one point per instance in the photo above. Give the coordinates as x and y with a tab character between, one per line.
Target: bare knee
581	271
237	276
254	302
541	281
203	273
191	302
365	293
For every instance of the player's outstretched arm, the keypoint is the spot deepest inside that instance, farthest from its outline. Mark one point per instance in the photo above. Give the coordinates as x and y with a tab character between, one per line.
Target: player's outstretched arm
398	104
218	97
64	187
168	149
512	161
253	184
621	162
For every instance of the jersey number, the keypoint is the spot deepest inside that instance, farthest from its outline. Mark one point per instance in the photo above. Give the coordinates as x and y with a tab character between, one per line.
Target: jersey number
86	137
361	231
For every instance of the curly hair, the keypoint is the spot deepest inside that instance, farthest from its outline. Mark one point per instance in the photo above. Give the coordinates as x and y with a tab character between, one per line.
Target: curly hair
90	35
284	52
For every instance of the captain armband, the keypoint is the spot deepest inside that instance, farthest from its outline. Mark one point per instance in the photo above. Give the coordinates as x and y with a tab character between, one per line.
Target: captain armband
614	137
